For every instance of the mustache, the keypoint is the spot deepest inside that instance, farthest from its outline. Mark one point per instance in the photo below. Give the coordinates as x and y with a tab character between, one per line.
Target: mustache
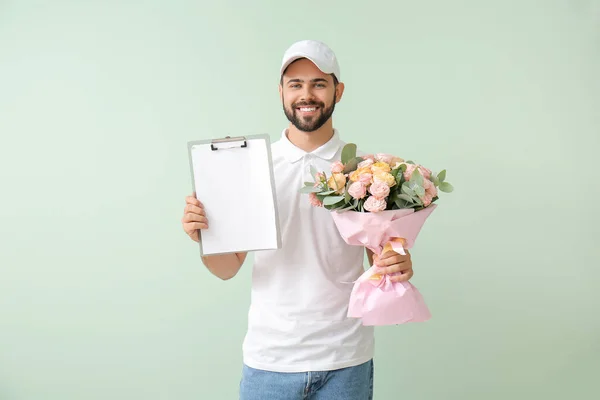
308	104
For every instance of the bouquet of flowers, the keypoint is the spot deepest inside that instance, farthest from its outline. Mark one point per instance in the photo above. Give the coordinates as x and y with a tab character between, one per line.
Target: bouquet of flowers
380	202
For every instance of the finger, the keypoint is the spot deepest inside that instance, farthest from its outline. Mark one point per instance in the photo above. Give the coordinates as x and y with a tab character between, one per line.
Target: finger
193	201
386	262
192	209
192	217
403	277
192	227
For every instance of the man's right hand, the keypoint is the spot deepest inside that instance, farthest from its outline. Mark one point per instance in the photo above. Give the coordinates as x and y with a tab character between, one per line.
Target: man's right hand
194	217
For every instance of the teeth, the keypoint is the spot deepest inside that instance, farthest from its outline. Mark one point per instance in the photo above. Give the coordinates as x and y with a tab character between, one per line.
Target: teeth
306	109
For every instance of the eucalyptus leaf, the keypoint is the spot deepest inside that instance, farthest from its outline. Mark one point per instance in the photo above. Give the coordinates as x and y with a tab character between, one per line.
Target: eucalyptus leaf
407	190
406	198
310	189
446	187
348	153
351	165
401	204
435	180
416	177
419	191
328	192
331	200
442	175
347	197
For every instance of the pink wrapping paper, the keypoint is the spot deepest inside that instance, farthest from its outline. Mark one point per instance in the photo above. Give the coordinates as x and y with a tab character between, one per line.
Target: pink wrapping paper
374	298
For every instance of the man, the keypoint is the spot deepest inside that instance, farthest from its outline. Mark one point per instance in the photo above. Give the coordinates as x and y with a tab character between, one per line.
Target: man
300	343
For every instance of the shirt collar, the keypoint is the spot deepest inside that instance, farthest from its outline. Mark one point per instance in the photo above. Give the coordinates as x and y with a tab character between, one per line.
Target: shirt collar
326	152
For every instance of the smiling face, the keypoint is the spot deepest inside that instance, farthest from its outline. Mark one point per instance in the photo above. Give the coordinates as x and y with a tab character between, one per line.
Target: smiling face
308	95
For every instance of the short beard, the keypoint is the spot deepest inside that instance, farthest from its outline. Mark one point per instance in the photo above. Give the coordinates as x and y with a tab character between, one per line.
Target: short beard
314	123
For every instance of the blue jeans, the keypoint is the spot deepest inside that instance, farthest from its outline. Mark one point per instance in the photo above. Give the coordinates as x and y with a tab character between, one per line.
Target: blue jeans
353	383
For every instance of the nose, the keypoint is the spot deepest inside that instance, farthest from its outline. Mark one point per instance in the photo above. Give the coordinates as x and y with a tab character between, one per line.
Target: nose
307	94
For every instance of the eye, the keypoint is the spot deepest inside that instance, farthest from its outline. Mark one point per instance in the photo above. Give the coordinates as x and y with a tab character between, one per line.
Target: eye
320	85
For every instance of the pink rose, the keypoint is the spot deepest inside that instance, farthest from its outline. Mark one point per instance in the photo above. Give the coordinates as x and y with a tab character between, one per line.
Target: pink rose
425	173
365	178
386	158
368	157
366	163
374	204
409	170
379	189
430	188
337	167
314	200
357	190
427	199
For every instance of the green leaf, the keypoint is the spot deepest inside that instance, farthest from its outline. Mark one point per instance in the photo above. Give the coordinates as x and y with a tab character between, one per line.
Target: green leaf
351	165
310	189
401	204
442	175
416	177
446	187
407	190
328	192
435	180
409	162
331	200
406	198
419	191
347	197
348	153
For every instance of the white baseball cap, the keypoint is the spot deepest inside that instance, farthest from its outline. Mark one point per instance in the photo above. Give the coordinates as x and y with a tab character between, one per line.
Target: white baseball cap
317	52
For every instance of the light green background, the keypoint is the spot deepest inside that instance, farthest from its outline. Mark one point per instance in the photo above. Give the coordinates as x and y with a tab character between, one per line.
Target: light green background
102	296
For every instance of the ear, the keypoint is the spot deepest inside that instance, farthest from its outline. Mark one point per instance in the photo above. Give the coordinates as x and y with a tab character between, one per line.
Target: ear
339	91
280	92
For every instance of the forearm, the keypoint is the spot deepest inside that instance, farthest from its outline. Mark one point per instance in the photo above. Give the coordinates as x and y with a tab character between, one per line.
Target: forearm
224	266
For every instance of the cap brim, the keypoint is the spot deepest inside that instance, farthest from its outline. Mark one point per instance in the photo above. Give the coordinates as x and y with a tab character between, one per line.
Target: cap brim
298	56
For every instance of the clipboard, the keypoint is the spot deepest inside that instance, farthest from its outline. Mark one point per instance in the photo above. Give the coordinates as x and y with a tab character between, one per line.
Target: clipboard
233	178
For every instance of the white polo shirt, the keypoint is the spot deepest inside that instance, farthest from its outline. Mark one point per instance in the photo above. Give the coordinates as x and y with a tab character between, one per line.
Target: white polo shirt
298	314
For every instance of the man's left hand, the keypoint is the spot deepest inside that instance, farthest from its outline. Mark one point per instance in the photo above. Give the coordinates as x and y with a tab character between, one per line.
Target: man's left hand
394	264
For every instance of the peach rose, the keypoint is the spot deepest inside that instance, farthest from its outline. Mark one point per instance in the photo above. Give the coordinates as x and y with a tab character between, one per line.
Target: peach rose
337	167
355	175
385	177
337	182
380	167
357	190
374	204
379	189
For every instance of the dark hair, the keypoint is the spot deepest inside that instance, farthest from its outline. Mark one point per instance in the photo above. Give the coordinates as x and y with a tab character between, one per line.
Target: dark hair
335	79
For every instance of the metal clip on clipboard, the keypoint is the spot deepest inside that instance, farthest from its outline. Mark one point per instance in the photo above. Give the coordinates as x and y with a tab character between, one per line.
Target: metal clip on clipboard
228	139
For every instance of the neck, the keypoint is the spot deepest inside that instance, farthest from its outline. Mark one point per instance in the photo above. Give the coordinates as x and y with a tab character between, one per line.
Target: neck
310	141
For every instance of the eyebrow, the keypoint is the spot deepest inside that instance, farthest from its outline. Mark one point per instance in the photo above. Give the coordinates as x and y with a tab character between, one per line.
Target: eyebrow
312	80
